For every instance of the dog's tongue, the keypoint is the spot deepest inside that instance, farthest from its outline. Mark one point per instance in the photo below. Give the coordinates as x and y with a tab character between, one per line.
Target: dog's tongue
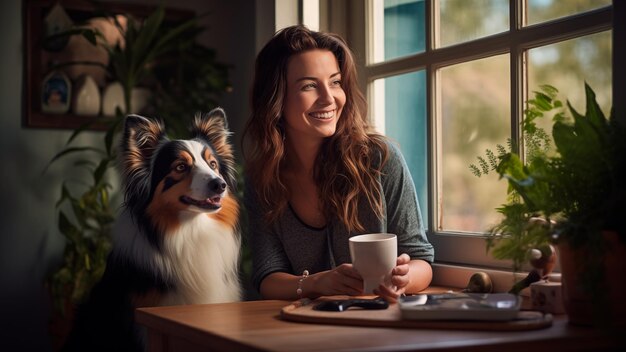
214	200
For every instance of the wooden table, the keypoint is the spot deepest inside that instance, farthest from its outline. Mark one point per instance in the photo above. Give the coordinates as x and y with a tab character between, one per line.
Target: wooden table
257	326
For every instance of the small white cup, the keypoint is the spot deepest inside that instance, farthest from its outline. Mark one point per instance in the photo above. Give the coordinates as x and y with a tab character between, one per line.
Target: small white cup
374	255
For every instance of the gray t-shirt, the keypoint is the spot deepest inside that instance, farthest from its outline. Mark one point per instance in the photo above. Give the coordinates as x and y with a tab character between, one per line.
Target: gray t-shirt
291	246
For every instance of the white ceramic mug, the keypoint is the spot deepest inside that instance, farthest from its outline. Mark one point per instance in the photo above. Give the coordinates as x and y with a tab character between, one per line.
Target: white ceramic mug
374	255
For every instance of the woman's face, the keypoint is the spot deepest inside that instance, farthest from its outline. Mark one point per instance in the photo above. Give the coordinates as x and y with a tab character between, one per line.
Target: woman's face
315	97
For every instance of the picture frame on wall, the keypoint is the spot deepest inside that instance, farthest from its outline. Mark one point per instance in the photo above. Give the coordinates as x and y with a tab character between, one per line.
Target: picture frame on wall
66	81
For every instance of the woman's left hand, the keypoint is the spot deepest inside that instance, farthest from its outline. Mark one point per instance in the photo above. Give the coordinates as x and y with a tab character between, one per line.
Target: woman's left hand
400	280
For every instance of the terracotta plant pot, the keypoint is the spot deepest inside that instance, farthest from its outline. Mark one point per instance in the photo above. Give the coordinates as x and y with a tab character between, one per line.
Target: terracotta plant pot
579	300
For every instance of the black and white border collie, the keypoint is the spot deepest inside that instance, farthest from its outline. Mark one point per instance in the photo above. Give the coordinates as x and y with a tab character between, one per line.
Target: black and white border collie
177	238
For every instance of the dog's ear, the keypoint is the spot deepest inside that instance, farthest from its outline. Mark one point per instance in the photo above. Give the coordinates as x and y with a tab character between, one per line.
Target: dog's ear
212	127
140	140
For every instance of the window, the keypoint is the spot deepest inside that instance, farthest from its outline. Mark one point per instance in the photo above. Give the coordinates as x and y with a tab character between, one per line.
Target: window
290	12
447	79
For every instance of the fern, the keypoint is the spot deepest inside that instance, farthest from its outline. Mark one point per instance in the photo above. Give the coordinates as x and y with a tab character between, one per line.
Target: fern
489	163
475	170
516	234
537	142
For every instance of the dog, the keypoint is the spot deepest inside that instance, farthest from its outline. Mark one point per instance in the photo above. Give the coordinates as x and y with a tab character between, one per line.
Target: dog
177	239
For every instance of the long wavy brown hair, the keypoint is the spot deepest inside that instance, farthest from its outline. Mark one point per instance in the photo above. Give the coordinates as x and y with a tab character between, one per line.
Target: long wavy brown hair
349	162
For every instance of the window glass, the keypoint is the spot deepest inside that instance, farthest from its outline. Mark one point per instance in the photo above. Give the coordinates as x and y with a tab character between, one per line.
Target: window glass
399	28
546	10
462	20
568	65
405	123
475	116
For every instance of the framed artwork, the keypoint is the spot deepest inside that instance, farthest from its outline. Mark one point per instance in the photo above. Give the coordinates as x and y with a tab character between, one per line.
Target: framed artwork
65	76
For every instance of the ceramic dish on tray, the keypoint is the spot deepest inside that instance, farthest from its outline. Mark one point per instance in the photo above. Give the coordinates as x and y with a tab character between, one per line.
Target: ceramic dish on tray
460	306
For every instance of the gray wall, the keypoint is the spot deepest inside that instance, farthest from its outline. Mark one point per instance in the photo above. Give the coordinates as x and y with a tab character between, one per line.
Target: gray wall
30	245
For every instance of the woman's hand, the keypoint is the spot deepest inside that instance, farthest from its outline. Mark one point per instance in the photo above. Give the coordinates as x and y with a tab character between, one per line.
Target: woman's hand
400	280
342	280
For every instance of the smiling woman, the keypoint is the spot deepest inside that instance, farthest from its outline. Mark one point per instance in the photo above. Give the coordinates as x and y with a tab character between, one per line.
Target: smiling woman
318	174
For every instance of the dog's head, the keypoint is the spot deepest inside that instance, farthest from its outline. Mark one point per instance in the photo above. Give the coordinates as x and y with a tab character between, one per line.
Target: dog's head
165	177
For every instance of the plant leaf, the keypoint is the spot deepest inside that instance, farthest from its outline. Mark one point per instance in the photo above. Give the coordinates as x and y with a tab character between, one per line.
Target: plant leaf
141	47
100	170
110	134
71	150
67	228
79	130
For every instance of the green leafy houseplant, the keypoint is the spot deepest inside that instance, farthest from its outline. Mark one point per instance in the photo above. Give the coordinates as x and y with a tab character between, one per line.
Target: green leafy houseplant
527	199
186	78
572	194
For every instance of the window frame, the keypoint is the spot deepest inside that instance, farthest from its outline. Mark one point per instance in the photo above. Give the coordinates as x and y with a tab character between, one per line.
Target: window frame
351	18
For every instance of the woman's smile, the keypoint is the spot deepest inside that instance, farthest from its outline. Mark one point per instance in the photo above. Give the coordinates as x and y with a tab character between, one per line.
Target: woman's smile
322	115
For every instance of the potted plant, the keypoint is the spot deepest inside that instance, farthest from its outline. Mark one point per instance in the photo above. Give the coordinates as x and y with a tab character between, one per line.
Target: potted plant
573	195
525	214
186	78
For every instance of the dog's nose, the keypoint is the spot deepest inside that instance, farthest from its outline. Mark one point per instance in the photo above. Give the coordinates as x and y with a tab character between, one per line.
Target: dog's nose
217	185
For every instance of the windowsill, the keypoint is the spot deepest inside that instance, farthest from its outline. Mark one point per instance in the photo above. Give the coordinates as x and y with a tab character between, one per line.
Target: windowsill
449	275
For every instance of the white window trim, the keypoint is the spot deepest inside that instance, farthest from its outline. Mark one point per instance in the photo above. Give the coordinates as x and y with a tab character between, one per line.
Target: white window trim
272	16
291	12
457	254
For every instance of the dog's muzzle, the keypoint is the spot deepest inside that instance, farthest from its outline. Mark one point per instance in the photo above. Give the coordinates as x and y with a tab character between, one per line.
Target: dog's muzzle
216	191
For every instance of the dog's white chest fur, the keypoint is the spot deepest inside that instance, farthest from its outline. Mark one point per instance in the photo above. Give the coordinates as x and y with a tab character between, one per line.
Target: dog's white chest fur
200	257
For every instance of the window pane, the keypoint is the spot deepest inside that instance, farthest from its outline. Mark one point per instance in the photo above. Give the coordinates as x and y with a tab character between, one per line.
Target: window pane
462	20
545	10
401	30
405	122
475	113
568	65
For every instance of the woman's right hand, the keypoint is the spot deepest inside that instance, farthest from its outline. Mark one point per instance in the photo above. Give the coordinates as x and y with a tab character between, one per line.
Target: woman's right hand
342	280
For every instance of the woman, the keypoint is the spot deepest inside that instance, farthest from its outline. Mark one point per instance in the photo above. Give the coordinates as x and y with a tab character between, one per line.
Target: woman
317	174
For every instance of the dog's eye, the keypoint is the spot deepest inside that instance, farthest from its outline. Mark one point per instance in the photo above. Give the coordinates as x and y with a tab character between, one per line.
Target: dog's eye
180	168
213	164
